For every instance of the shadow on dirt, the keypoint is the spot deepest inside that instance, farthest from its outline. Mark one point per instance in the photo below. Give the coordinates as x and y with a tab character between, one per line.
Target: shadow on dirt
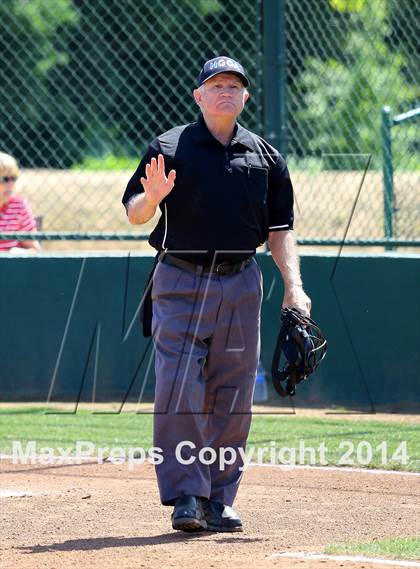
108	542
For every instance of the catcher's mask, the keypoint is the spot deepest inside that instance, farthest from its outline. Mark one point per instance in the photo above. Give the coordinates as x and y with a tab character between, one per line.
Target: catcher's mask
300	348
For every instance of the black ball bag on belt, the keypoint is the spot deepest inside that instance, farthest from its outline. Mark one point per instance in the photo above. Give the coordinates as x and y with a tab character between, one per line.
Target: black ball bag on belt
146	309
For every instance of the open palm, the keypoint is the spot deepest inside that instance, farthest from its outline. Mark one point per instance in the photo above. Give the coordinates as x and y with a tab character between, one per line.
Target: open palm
156	184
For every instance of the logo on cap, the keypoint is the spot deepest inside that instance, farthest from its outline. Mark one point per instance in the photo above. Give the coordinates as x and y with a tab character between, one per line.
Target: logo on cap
223	62
219	65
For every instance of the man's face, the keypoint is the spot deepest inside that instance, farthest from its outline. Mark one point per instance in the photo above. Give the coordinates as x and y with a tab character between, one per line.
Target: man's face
224	95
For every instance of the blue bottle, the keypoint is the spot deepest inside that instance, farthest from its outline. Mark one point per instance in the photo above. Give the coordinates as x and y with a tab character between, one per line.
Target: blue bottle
260	391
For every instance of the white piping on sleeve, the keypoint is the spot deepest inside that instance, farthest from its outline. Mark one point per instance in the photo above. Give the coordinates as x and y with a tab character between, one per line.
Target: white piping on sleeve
278	226
166	227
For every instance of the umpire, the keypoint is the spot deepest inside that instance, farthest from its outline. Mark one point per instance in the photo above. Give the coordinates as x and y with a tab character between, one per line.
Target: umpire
222	191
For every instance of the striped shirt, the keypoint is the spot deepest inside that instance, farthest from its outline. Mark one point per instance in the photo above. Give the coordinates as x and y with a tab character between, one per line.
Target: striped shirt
15	215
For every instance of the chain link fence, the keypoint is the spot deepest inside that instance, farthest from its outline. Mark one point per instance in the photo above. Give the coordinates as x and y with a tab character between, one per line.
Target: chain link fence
85	85
346	60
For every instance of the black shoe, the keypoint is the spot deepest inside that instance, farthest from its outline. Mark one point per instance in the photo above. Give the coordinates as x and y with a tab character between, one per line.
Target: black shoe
188	514
220	517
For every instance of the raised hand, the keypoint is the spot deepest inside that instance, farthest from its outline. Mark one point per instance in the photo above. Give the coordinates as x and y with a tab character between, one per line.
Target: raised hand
156	185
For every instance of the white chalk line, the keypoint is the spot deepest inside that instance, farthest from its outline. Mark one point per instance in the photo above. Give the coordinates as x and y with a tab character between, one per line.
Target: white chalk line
350	558
70	459
22	493
40	457
13	493
349	469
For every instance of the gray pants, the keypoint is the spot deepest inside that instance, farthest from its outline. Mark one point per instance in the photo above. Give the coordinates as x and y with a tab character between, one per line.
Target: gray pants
206	332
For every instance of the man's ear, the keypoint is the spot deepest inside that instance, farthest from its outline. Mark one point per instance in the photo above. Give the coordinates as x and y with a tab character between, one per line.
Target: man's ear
246	96
197	96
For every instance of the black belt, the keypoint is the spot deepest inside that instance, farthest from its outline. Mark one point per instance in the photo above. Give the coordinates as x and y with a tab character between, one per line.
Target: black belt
225	268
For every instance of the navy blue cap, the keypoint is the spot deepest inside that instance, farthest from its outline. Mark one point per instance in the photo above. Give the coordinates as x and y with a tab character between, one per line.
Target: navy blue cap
222	64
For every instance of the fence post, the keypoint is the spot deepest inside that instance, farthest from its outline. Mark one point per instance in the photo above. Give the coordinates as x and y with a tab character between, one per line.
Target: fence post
388	174
275	74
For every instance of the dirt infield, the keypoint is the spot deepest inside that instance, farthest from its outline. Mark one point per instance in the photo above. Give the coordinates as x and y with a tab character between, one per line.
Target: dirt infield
106	515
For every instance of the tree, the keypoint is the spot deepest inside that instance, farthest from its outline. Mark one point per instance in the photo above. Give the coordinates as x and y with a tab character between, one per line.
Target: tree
342	99
29	50
95	77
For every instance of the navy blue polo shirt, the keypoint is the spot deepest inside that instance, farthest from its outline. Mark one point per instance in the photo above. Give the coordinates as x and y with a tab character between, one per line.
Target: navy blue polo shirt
226	199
